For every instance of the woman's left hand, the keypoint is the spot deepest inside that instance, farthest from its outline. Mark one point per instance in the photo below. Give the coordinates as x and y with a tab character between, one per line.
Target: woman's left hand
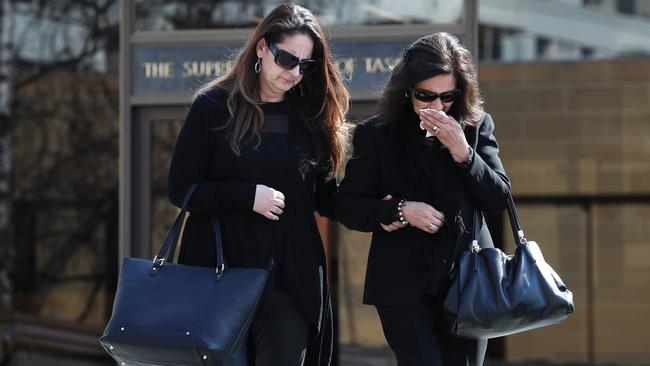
448	131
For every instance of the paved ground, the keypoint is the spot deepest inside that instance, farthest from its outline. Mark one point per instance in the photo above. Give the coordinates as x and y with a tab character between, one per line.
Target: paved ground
25	359
352	356
349	356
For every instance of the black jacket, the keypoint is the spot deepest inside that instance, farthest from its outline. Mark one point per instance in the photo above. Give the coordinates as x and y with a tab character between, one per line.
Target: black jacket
386	162
227	188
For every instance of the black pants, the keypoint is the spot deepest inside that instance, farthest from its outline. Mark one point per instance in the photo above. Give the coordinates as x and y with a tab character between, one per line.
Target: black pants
278	335
416	337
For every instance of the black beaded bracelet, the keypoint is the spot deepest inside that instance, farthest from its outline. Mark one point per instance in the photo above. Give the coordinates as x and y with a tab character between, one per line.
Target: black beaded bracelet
400	213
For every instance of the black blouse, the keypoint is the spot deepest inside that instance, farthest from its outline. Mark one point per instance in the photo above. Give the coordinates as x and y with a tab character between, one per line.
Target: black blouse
269	164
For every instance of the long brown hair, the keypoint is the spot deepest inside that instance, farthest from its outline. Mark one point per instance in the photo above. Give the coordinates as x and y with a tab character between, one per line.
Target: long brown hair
321	99
435	54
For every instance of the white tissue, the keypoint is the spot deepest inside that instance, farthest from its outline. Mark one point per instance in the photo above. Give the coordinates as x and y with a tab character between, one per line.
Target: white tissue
429	134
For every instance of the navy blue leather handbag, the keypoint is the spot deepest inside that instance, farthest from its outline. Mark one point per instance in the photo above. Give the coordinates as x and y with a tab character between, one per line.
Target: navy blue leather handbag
174	314
493	294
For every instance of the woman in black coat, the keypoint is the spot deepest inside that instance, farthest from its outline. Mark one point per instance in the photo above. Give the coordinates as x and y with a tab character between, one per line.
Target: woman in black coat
418	170
263	142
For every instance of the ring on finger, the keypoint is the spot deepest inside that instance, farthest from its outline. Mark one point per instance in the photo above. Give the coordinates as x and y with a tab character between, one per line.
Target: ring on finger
436	130
432	226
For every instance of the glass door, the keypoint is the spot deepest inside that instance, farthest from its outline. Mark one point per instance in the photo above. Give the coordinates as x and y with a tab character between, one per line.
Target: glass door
156	132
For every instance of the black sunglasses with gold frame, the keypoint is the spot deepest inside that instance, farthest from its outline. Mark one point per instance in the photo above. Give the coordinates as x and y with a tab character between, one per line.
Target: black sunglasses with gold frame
428	96
289	61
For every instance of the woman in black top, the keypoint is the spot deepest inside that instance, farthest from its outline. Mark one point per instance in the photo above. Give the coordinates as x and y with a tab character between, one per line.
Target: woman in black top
264	142
417	195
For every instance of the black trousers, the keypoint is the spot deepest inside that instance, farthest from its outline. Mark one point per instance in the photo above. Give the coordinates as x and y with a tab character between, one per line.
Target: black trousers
278	335
417	338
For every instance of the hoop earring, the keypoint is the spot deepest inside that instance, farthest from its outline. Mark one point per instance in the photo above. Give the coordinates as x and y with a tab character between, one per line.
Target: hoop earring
258	66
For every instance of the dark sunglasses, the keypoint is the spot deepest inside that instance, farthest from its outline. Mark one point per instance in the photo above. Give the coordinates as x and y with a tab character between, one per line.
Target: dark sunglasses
288	61
428	96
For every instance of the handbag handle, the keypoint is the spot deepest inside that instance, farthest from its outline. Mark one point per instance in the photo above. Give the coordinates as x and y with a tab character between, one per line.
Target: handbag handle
168	248
477	220
513	217
515	223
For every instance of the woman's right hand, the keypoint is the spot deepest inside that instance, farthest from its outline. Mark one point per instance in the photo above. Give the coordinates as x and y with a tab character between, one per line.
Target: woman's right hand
395	225
423	216
268	202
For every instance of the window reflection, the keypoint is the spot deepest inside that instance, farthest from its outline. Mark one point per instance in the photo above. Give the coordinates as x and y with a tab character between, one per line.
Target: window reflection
164	15
65	201
63	138
163	213
588	29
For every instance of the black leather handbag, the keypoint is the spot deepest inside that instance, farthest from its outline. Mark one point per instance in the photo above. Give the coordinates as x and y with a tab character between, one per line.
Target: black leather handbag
174	314
493	294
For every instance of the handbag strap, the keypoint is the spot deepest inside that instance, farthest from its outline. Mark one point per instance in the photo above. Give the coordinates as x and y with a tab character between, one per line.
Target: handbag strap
221	262
513	217
515	223
168	249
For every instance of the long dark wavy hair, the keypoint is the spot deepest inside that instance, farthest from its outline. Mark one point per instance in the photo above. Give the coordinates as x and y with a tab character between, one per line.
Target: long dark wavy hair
320	99
435	54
